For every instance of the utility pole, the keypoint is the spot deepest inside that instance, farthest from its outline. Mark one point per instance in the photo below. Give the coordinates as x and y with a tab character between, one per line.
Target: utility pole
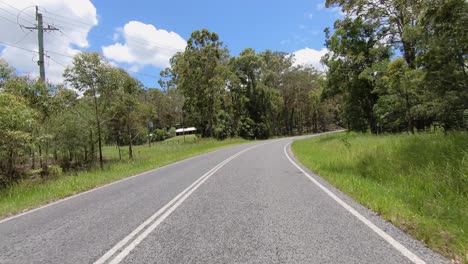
40	40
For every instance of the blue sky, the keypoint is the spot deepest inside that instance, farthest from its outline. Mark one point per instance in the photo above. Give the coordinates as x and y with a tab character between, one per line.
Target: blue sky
141	36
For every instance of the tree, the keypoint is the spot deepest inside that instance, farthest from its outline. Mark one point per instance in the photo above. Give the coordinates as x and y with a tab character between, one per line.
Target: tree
396	20
249	69
6	72
354	49
90	75
125	105
444	49
17	120
405	82
198	74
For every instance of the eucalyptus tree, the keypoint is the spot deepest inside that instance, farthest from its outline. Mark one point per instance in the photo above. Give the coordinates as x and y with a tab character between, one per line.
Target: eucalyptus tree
444	58
125	105
396	20
89	74
197	72
354	49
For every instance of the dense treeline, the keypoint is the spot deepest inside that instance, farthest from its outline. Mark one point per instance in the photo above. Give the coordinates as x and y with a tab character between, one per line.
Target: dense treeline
253	95
392	66
400	65
47	128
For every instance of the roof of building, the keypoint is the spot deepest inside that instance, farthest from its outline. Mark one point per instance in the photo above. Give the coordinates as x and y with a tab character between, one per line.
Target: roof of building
187	129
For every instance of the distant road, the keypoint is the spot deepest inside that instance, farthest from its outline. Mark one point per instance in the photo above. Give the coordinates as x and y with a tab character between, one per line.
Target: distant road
242	204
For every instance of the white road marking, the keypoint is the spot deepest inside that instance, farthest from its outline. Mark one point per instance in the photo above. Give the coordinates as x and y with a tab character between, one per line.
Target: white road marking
402	249
100	187
178	200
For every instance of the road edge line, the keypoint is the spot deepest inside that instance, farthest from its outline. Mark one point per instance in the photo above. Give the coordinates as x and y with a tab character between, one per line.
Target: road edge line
389	239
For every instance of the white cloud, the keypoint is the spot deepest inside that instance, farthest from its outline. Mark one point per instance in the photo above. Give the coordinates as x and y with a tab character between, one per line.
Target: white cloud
335	9
74	18
144	44
310	57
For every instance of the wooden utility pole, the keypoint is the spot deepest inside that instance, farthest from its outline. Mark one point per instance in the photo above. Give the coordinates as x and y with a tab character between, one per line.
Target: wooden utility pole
40	41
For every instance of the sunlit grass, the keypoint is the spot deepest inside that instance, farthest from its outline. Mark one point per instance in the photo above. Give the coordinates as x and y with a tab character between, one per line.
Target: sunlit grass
180	139
29	194
418	182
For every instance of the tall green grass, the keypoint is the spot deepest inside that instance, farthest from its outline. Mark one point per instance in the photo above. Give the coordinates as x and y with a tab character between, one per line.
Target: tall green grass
418	182
32	193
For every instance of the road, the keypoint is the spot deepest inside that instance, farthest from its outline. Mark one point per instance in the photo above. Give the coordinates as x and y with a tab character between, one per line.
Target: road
243	204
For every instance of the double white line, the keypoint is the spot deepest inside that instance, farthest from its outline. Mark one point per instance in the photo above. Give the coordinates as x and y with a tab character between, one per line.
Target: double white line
126	245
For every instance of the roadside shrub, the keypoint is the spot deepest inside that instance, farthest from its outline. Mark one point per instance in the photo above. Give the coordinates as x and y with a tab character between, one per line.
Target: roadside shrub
247	128
160	134
171	132
54	171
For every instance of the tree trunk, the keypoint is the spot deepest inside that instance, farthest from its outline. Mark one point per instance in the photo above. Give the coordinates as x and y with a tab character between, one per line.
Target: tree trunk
33	153
409	115
85	154
130	150
11	162
93	151
47	154
101	165
98	125
40	157
120	153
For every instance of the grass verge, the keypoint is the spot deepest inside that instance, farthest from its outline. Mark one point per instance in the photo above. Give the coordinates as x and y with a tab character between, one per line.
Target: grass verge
180	139
29	194
418	182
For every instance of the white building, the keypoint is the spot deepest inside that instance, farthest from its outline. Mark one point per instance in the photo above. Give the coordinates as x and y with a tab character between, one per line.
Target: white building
185	131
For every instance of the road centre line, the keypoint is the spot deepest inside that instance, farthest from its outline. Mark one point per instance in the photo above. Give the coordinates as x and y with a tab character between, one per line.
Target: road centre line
104	186
397	245
167	210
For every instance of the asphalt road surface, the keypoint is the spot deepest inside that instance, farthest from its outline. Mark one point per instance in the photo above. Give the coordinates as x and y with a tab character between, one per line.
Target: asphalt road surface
244	204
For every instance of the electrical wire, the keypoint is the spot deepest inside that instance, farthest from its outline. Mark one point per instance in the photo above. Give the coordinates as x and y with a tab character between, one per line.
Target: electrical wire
52	59
136	40
14	22
24	37
74	20
18	47
69	56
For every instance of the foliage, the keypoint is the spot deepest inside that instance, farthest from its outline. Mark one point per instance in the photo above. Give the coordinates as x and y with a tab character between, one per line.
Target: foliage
171	132
426	87
16	124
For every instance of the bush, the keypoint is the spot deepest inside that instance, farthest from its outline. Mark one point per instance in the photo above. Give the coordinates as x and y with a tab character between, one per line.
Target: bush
54	171
262	131
220	132
172	132
160	134
247	128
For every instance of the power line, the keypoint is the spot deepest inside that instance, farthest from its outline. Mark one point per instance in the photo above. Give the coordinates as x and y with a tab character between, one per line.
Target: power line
40	41
69	56
14	15
24	37
19	10
18	47
64	17
136	40
59	20
52	59
17	15
14	22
